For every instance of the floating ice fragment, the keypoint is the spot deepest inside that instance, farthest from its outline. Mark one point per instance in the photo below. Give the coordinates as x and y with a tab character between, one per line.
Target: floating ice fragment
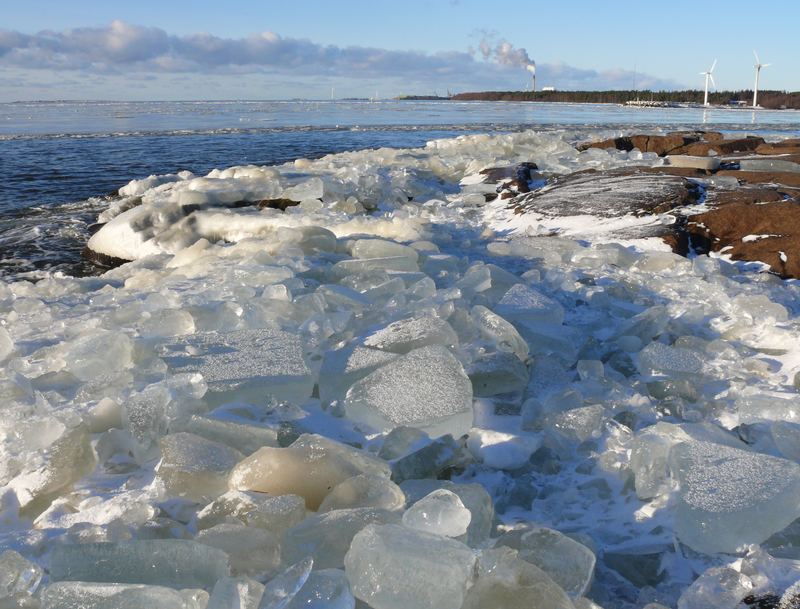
441	513
394	567
731	497
174	563
427	389
310	467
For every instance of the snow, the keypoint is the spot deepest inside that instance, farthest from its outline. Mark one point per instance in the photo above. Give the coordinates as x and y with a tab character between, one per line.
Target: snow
259	369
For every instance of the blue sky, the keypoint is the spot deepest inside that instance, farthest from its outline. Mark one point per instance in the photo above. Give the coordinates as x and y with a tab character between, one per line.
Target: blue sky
177	49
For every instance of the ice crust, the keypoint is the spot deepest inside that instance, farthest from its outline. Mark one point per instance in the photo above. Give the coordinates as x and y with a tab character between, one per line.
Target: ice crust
261	386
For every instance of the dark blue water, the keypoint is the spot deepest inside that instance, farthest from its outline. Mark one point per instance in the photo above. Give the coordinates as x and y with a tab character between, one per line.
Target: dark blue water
60	159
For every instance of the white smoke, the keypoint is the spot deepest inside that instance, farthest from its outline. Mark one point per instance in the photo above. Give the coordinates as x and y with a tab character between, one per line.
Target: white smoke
506	54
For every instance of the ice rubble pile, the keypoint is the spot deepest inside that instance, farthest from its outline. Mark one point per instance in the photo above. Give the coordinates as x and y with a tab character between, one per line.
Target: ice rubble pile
312	414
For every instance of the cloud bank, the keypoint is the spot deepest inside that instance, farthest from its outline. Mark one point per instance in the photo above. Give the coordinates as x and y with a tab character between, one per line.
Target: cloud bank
123	48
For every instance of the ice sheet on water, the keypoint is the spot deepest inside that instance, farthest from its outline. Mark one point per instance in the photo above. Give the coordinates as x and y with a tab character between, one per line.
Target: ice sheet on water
426	388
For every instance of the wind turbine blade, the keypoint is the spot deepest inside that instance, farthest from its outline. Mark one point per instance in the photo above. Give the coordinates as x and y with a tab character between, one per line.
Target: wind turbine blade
703	73
713	84
765	65
713	65
758	61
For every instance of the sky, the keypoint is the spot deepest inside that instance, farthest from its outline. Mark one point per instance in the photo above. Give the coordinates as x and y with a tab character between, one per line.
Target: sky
312	49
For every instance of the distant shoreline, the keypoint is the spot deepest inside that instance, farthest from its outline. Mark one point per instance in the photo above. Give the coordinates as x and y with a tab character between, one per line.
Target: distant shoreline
768	100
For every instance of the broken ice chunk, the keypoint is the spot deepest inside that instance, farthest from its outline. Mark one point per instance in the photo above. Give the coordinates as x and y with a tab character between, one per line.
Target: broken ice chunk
236	593
19	577
400	441
569	563
364	491
754	408
507	582
274	514
427	389
431	460
251	551
281	589
473	496
357	266
89	595
244	438
343	367
175	563
500	331
731	497
64	462
497	372
394	567
379	248
324	589
98	352
310	467
441	513
717	587
674	362
524	304
194	467
411	333
327	537
245	365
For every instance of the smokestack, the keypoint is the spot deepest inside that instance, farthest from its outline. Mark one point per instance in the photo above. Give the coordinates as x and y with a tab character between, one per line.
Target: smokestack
531	67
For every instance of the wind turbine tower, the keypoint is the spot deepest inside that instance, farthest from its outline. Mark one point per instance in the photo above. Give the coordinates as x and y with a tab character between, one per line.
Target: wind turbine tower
758	67
531	67
708	75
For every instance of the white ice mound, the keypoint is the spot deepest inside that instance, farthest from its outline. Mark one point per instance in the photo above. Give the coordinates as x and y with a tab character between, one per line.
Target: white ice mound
394	567
731	497
311	467
441	513
245	365
427	389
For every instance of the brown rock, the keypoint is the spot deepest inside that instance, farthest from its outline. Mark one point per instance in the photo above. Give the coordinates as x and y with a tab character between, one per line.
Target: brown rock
745	144
747	195
727	225
785	178
281	204
660	144
782	147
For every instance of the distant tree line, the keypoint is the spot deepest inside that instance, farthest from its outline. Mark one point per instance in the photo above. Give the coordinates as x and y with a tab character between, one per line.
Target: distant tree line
766	99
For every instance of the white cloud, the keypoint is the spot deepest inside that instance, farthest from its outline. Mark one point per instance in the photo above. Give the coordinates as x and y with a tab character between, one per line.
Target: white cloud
122	48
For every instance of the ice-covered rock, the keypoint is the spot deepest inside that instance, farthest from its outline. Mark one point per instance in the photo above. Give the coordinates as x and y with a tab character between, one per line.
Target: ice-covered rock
731	497
174	563
310	467
394	567
427	389
326	537
194	467
364	491
569	563
441	513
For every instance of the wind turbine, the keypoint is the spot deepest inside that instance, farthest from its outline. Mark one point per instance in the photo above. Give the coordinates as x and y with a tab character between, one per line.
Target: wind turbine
758	67
709	76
